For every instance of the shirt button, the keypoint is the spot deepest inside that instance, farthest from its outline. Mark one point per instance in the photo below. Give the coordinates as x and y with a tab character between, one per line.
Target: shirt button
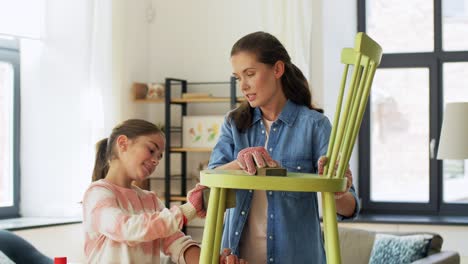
271	259
271	216
237	233
250	191
271	149
274	129
263	131
243	213
298	167
271	237
270	192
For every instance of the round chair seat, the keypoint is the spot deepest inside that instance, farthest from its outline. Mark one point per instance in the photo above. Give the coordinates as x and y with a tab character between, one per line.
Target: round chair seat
294	182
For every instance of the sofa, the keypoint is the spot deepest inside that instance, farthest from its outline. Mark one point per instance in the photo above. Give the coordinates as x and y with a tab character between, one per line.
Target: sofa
359	246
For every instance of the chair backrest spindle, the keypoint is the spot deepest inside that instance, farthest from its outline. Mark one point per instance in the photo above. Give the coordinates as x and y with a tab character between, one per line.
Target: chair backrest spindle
362	62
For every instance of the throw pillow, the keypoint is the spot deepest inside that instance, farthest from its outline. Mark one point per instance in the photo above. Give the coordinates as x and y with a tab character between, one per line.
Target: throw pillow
389	249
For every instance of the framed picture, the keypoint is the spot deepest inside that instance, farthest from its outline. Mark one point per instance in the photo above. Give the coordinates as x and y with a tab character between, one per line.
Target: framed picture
201	131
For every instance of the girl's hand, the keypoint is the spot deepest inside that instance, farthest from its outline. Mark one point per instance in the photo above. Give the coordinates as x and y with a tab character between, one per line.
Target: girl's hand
192	255
349	176
194	206
252	157
195	198
227	258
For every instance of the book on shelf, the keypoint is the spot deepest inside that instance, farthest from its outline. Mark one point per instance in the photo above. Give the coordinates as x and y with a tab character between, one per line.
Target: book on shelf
196	95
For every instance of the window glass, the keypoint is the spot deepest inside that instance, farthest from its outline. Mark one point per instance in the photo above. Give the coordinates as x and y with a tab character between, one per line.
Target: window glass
400	135
401	26
6	135
455	171
455	25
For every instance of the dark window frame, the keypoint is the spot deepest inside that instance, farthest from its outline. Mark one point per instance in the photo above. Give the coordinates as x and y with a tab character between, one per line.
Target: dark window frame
434	62
9	52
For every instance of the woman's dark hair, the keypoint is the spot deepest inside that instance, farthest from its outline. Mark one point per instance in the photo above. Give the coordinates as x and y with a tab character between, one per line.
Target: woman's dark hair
132	129
268	50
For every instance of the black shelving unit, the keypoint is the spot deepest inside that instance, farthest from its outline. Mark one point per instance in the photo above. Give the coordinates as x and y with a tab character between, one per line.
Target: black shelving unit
170	85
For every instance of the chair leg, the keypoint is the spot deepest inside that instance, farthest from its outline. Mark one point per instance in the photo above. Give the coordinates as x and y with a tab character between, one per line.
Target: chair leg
219	225
206	254
330	227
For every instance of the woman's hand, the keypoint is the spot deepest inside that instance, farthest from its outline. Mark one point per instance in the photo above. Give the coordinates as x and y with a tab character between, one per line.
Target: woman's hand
349	176
251	158
227	258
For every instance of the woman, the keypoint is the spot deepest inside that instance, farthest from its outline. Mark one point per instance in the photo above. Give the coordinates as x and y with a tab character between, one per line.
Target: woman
276	125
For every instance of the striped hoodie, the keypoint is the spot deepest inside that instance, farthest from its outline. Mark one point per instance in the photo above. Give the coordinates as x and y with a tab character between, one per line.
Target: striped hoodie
125	225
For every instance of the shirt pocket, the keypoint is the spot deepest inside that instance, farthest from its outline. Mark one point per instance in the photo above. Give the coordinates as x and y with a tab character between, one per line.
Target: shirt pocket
299	165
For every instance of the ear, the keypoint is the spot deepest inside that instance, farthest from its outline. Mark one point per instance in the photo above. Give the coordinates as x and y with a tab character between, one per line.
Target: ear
278	69
122	143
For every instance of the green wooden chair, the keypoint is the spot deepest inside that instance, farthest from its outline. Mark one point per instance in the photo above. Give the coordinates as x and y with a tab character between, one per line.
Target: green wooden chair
360	65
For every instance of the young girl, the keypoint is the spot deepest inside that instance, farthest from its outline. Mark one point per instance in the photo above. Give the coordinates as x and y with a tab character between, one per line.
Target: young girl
123	223
276	125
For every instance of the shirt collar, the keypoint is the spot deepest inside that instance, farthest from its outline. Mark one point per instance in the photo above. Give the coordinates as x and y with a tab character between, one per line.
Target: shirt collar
288	115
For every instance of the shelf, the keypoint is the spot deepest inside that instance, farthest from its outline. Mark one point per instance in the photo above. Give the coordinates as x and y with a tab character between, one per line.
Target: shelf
200	100
148	100
191	149
204	100
173	177
189	100
178	95
176	198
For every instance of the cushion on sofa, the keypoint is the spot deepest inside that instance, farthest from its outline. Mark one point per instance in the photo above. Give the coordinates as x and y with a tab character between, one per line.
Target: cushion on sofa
391	249
435	246
356	245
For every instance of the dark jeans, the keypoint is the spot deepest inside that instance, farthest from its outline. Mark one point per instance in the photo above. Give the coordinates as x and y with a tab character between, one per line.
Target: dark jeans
21	251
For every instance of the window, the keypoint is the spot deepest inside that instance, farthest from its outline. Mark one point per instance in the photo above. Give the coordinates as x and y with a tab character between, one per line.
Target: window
424	66
9	132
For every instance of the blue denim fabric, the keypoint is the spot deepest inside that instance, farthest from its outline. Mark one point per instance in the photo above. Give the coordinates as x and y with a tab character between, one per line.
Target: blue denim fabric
297	139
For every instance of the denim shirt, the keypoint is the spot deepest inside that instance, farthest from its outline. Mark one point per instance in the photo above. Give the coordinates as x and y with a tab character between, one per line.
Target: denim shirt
297	139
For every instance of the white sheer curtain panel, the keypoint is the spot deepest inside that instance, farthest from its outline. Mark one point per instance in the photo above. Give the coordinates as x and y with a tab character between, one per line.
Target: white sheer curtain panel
291	23
66	103
21	18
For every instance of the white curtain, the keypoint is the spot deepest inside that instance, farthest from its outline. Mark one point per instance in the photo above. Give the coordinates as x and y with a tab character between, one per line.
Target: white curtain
19	21
66	76
291	23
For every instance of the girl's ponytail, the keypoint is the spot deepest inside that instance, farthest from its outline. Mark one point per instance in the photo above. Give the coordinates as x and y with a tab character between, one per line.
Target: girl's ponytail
101	164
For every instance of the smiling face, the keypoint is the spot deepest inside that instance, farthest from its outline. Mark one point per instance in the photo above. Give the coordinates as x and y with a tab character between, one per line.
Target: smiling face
260	83
140	156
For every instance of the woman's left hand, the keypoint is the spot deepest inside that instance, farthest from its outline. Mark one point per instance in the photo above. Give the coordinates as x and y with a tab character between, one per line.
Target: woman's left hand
349	176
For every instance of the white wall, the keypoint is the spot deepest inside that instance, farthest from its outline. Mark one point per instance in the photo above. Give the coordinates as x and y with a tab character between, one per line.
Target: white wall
192	40
130	53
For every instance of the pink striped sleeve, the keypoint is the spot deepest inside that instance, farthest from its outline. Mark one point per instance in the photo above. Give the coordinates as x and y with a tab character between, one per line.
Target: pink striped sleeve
103	212
176	245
